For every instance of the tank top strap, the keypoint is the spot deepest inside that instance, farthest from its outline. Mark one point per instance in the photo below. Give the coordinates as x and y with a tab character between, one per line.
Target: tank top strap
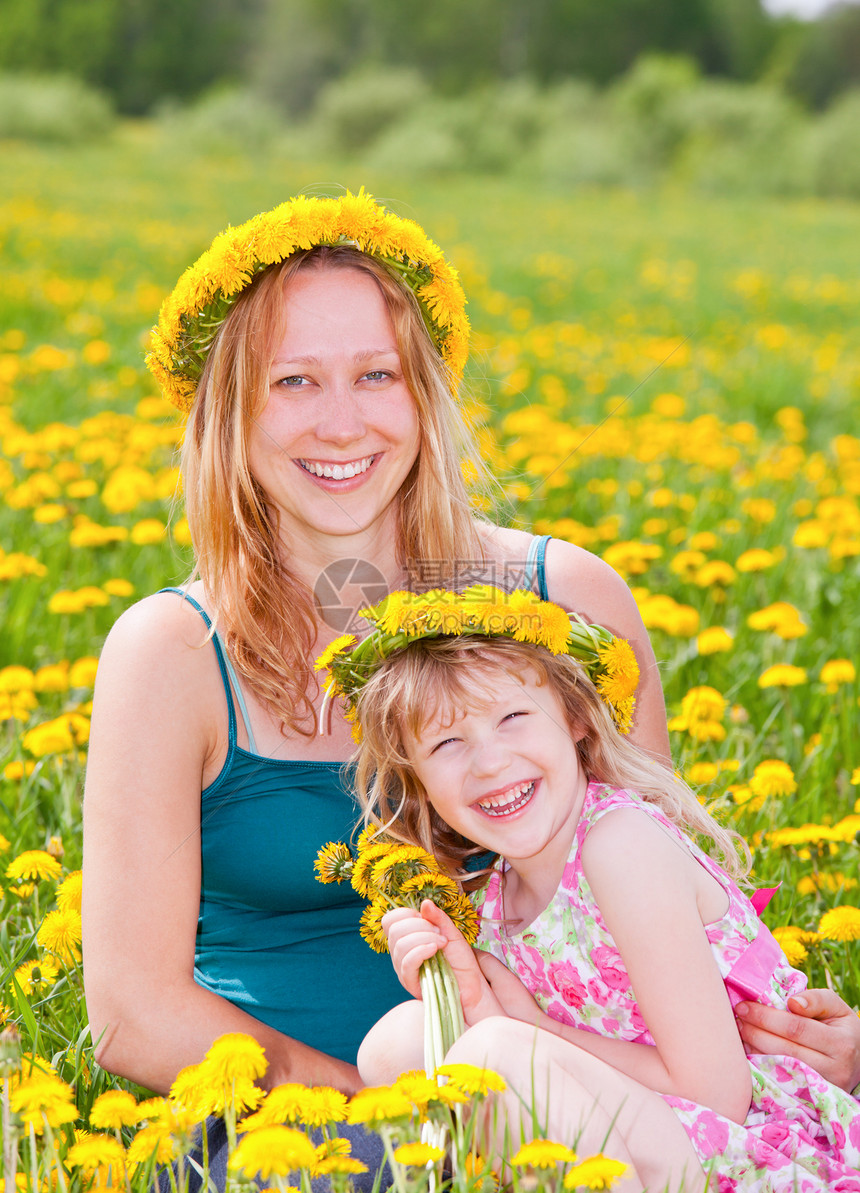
536	565
228	675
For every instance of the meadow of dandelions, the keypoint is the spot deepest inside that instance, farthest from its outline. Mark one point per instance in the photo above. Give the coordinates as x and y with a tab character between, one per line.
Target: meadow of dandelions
665	383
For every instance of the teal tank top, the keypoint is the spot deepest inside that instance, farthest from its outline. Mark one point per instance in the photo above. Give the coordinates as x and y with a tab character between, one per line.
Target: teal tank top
270	937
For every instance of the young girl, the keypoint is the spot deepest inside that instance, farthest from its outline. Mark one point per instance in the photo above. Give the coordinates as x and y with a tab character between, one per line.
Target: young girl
612	947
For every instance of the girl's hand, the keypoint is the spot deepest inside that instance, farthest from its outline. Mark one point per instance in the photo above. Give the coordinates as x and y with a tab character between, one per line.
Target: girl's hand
415	936
818	1028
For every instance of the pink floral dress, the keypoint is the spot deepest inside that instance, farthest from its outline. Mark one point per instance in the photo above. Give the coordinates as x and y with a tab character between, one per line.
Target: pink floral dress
801	1135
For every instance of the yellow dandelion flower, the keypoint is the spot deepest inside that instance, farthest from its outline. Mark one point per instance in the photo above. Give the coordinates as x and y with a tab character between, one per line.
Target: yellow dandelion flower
794	949
368	855
756	560
334	862
471	1079
152	1142
782	675
620	676
423	1091
836	672
236	1056
773	777
35	865
543	1153
60	934
378	1104
70	890
334	648
398	863
41	1097
114	1109
33	975
323	1105
272	1151
370	926
95	1152
191	1090
417	1155
840	923
714	640
597	1172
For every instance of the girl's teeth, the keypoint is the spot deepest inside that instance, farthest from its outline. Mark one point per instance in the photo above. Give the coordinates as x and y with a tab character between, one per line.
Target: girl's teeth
500	805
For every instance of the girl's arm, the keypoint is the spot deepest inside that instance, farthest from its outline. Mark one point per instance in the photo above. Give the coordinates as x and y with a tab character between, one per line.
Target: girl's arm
645	884
647	897
159	724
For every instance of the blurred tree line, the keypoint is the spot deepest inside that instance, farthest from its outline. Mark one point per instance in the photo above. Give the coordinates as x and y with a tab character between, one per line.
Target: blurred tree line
143	52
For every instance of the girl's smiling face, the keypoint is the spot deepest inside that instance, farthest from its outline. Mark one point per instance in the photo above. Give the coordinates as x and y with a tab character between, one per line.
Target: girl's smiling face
505	771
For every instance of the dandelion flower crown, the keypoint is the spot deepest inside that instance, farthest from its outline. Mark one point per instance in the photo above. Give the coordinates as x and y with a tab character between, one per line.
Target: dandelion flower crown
405	617
191	316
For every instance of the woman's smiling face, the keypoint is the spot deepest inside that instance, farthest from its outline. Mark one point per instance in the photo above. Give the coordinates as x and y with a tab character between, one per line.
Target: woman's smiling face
339	433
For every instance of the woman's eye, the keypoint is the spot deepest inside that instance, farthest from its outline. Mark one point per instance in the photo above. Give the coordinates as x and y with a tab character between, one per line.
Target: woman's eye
376	375
293	382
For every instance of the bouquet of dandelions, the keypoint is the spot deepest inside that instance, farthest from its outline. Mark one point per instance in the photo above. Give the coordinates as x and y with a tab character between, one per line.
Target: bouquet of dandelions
391	874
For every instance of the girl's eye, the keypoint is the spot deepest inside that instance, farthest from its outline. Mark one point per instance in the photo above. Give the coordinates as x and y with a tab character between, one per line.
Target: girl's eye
440	744
512	715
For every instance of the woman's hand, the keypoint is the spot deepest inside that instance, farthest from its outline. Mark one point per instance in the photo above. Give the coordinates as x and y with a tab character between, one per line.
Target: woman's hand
819	1028
416	936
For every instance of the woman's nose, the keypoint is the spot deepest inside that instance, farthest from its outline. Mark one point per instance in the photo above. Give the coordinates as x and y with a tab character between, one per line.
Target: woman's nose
340	418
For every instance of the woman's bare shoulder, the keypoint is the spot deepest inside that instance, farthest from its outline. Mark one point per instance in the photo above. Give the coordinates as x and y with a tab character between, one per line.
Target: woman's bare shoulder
577	579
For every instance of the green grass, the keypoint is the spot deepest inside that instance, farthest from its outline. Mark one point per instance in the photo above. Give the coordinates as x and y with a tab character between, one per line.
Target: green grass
583	304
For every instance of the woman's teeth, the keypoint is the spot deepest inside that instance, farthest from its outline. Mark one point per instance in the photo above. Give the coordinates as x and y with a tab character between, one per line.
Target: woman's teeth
338	472
509	801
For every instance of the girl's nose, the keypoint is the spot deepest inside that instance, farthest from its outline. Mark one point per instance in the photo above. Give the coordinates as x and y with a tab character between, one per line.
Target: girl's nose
489	758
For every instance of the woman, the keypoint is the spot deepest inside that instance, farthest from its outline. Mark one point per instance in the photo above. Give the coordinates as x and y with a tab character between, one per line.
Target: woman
318	350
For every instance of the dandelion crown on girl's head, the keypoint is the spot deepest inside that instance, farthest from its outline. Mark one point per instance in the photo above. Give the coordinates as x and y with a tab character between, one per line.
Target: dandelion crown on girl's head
405	617
191	316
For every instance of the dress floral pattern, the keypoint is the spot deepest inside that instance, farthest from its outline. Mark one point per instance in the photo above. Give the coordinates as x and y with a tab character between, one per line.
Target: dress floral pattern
801	1135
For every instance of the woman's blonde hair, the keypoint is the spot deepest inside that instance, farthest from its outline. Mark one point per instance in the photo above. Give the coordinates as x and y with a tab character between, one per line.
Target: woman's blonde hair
436	676
266	614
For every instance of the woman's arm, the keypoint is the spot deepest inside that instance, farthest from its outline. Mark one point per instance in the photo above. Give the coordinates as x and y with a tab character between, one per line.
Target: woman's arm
159	726
818	1028
582	582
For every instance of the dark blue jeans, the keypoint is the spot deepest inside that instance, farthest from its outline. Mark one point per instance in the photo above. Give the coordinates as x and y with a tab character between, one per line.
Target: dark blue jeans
366	1147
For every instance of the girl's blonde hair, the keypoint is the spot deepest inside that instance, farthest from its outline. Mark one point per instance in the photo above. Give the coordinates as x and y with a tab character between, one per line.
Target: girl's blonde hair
435	676
266	614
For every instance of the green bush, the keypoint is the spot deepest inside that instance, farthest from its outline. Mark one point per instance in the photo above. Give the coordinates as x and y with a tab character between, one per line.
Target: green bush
427	141
52	108
835	148
224	121
744	139
647	106
355	110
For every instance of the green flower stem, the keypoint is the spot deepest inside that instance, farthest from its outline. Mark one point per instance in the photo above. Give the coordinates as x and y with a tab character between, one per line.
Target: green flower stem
10	1144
